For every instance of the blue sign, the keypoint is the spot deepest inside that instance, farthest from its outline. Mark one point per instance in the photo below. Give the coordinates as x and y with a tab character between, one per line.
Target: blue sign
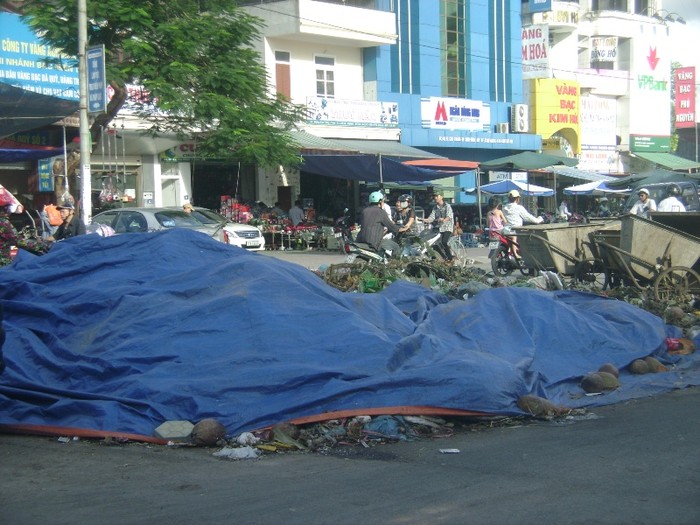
97	85
23	62
539	6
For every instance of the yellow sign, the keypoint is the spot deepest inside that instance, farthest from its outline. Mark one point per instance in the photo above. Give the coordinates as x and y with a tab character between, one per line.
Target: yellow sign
557	109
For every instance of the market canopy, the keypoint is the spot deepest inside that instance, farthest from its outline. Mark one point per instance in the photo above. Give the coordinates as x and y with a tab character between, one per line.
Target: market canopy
669	161
504	186
448	165
370	168
22	110
525	161
594	188
11	151
575	173
651	177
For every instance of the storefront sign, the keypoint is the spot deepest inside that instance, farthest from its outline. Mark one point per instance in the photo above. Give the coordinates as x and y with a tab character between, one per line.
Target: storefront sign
685	97
538	6
22	62
603	49
45	175
650	144
562	15
496	176
535	51
556	105
650	89
455	114
334	112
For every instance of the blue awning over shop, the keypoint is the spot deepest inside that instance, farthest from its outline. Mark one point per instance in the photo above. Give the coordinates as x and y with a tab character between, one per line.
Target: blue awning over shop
22	110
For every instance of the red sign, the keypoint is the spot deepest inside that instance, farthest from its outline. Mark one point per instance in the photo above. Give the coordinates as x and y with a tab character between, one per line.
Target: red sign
685	97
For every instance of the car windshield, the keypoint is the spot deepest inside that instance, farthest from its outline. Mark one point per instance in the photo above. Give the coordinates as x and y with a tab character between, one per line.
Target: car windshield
177	218
208	217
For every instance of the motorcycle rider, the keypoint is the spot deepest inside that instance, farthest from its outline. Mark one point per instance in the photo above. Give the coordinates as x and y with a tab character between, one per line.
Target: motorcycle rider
672	202
644	205
404	214
374	224
516	215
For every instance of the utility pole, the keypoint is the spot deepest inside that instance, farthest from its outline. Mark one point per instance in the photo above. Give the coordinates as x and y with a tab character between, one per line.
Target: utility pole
85	138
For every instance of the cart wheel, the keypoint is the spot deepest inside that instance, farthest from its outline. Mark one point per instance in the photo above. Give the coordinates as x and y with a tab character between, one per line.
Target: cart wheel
590	271
677	282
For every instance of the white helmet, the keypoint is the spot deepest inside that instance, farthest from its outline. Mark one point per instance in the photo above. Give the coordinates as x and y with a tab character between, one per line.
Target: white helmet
513	194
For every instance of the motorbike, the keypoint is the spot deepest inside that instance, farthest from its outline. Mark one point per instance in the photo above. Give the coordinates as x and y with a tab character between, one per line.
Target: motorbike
502	256
422	245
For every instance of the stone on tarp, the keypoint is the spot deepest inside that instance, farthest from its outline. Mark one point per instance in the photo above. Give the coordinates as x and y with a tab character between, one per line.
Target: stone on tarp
174	430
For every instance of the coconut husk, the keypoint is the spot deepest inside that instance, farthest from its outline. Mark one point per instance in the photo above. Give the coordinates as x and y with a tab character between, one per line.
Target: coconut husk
654	365
610	369
540	407
639	366
208	432
599	382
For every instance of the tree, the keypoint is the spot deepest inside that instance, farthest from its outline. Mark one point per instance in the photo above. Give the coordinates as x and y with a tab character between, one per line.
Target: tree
196	63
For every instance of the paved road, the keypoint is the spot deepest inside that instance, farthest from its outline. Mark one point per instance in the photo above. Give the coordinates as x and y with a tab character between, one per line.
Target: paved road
636	463
313	259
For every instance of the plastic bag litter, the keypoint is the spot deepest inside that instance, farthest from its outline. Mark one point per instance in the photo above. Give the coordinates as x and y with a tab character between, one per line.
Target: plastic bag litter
247	438
237	453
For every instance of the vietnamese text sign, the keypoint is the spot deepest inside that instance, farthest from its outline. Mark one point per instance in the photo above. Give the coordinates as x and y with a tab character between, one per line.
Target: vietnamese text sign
685	97
97	86
535	51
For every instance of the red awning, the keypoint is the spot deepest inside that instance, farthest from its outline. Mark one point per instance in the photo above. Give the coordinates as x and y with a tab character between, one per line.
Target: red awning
444	164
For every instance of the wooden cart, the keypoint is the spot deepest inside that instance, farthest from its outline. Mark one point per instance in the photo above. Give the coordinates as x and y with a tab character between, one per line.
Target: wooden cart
647	253
566	249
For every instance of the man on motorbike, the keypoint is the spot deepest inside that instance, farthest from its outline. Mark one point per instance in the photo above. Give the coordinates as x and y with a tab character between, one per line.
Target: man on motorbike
516	215
374	224
404	214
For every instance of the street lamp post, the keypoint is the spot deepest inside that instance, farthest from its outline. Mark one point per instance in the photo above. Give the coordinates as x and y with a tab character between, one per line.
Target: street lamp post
85	139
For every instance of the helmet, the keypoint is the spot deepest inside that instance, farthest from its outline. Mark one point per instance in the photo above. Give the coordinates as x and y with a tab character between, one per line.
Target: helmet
513	194
643	190
405	200
673	190
375	197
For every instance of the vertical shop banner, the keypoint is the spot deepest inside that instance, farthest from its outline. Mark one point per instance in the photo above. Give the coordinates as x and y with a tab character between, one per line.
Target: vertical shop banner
535	51
685	97
650	91
97	85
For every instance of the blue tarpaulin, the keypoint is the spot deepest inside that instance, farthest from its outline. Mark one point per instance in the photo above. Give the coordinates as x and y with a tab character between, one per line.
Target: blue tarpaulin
120	334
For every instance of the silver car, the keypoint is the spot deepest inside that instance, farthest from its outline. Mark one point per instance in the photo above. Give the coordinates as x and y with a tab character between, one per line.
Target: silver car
128	220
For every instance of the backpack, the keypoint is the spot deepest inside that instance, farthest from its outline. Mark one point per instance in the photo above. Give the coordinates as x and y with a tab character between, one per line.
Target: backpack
53	214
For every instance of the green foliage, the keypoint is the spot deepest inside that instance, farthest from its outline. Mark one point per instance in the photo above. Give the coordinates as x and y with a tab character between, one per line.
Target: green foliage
195	59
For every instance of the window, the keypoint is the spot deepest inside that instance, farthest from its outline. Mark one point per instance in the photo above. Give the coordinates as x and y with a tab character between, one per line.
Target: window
325	77
453	48
283	73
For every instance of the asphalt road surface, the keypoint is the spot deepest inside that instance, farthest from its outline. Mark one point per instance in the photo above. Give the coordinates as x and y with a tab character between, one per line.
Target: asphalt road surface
633	463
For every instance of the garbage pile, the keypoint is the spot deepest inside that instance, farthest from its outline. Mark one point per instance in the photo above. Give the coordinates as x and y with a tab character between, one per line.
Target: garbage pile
458	282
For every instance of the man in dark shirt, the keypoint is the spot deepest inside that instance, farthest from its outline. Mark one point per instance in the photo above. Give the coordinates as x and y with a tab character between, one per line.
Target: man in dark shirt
71	225
374	224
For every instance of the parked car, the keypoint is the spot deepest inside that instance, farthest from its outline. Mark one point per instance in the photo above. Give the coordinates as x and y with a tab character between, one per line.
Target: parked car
128	220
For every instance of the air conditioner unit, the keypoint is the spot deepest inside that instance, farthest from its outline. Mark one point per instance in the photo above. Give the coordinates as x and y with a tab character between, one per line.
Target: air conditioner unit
502	127
519	118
